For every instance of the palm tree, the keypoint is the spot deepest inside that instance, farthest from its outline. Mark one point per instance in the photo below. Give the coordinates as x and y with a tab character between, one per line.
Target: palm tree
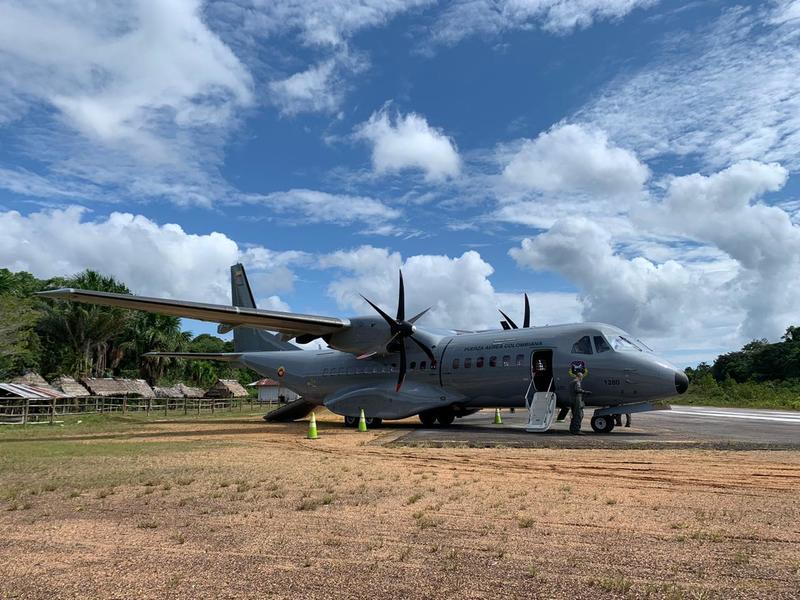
84	331
149	332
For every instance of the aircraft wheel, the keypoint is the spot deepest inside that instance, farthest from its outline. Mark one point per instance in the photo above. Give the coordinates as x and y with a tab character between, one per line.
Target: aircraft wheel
446	417
351	421
372	421
427	418
602	424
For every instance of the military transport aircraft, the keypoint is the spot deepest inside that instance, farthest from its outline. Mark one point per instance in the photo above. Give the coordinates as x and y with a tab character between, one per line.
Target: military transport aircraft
393	368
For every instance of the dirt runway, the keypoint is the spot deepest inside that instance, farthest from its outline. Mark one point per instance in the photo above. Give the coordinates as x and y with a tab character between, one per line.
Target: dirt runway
242	509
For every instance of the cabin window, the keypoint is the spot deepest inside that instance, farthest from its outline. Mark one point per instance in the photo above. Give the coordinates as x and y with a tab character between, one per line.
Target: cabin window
479	362
324	372
520	359
341	370
467	363
492	361
507	360
600	344
350	370
413	365
455	363
422	365
582	346
433	365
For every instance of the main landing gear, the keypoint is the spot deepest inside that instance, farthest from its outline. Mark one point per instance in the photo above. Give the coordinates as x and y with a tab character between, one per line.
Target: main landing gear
370	421
603	424
444	417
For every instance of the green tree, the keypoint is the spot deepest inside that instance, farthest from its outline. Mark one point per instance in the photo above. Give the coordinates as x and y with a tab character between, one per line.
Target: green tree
79	335
19	343
150	332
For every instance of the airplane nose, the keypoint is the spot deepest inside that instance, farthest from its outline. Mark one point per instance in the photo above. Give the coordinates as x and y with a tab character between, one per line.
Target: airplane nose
681	382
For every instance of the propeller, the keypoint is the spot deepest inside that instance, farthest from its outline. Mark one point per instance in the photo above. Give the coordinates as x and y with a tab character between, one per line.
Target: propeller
526	322
402	329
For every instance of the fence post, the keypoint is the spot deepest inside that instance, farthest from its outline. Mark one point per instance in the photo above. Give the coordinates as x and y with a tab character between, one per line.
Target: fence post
185	411
149	405
198	400
124	405
52	410
213	405
25	410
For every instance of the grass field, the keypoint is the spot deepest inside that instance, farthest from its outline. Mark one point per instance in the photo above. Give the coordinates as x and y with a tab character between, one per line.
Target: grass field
233	507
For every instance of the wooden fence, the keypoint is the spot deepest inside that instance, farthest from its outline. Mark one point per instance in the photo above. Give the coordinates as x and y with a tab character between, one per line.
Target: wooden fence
37	410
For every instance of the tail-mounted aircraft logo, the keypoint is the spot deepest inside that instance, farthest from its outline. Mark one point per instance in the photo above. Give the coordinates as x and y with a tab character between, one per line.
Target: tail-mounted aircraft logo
578	367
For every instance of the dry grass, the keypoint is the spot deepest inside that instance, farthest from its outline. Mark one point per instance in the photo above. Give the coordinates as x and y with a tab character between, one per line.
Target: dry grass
245	509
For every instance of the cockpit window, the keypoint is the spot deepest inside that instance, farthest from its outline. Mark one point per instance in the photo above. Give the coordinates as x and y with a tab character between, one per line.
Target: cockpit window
643	345
582	346
623	344
600	344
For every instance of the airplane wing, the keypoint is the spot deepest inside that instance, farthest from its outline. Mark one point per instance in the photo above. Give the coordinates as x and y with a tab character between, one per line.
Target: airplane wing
273	320
220	356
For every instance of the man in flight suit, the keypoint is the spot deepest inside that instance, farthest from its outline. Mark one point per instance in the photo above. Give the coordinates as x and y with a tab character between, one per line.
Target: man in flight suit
576	396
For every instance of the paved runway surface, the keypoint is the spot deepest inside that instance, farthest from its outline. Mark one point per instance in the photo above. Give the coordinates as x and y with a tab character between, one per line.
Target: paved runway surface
681	427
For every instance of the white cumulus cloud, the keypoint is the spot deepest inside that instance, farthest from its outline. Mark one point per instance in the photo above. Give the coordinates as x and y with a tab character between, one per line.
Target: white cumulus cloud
458	289
152	259
408	142
572	158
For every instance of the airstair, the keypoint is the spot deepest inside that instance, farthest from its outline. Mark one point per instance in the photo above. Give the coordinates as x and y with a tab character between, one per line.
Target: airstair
541	408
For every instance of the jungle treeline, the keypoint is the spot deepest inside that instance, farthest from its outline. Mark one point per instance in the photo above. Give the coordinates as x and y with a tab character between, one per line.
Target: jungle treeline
68	338
760	375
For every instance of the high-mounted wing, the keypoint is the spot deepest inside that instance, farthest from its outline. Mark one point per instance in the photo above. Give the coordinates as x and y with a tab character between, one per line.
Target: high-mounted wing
234	316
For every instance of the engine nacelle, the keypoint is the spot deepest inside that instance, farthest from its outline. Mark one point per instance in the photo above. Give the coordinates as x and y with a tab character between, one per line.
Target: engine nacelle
365	335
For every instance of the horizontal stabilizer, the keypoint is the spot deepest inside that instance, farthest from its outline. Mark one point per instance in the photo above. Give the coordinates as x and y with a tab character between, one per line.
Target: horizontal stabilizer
221	356
290	412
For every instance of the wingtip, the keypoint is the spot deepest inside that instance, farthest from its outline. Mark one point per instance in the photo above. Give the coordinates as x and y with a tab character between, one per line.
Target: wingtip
57	293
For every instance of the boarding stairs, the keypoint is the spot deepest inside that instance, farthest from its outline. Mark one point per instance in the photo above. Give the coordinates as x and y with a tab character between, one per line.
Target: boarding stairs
541	408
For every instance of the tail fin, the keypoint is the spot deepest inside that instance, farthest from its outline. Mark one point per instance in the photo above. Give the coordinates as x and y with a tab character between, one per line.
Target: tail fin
247	339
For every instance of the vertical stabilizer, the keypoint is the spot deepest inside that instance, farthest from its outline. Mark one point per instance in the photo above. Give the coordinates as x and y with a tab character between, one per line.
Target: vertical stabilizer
247	339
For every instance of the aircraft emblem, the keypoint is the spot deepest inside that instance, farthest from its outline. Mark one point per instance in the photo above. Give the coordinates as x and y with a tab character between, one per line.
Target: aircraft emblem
578	366
281	371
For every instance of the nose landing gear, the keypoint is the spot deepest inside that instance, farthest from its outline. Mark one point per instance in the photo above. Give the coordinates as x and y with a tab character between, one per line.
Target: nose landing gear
602	424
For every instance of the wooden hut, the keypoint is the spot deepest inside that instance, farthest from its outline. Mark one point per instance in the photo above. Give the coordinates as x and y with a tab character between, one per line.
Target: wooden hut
168	392
69	387
189	391
35	380
226	388
118	388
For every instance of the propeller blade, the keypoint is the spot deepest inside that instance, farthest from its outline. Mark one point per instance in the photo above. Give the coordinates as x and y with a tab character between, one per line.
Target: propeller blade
387	318
402	374
424	348
505	325
526	322
507	318
401	301
416	317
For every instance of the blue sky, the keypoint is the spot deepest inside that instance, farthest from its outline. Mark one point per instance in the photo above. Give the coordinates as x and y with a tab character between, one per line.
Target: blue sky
628	161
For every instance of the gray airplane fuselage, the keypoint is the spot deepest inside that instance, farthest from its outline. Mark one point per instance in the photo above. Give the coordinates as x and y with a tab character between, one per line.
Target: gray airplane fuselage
479	370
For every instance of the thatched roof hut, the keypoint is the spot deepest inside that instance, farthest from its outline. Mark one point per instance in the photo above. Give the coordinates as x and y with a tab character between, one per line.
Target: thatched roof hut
189	391
167	392
109	387
226	388
69	387
34	379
